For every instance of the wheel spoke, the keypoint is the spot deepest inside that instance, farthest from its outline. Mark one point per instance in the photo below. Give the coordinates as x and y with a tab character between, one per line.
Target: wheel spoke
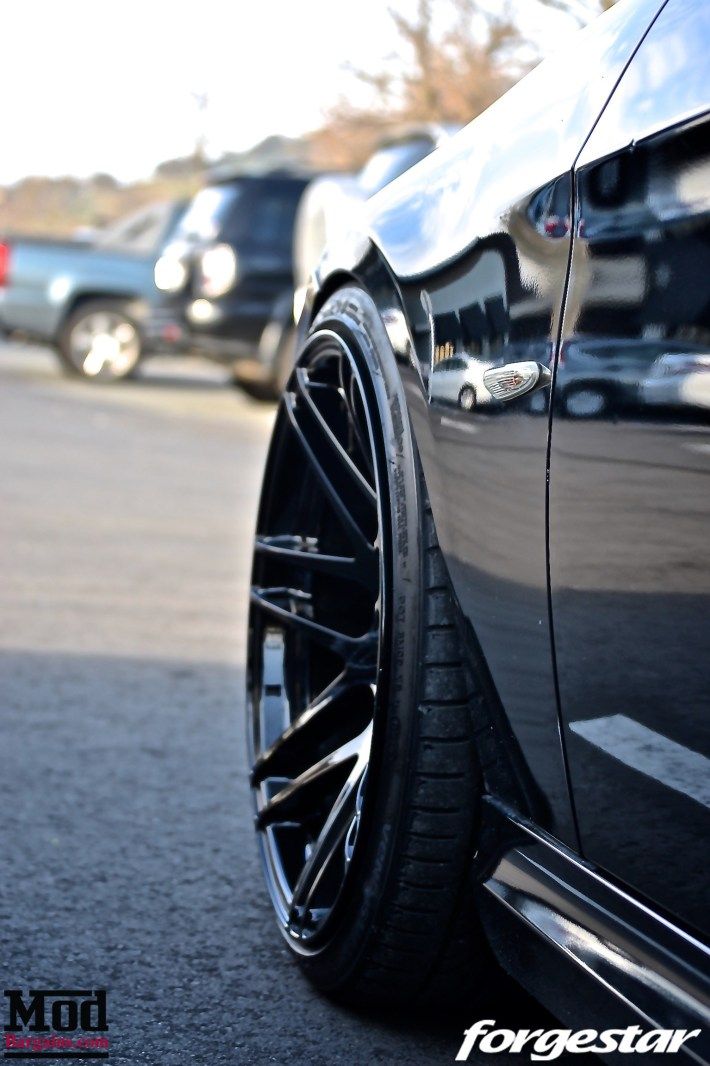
315	634
348	391
329	438
275	759
94	361
303	553
331	835
347	647
290	799
124	334
351	528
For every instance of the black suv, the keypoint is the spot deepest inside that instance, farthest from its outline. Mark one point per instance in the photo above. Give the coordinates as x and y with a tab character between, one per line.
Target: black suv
228	269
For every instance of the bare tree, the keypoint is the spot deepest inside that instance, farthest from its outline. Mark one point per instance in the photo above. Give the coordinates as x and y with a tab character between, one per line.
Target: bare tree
437	76
447	75
582	11
201	100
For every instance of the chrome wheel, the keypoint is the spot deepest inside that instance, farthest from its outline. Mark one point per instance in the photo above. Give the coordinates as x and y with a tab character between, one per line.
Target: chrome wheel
104	344
315	638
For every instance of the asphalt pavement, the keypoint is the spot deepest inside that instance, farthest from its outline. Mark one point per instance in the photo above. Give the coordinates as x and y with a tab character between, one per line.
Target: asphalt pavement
128	859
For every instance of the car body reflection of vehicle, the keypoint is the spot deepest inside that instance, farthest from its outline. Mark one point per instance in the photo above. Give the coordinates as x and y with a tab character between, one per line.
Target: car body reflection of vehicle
603	377
458	379
679	379
478	681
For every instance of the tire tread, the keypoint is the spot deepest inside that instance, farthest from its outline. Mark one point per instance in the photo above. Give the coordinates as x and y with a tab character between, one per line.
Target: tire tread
435	957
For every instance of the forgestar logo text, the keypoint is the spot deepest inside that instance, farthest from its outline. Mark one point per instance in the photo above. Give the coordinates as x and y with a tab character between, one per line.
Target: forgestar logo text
543	1045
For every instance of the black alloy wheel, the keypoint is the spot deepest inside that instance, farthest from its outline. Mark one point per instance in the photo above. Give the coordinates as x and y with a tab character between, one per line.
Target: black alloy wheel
316	629
364	775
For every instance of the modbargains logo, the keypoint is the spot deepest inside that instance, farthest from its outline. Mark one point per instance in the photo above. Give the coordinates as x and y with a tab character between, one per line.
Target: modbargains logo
56	1023
543	1045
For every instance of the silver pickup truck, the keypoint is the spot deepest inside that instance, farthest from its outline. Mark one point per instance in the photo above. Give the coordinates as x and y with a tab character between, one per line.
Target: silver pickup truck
85	297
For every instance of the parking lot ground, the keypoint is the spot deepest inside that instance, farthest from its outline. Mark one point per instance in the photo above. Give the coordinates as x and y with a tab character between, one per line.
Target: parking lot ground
128	857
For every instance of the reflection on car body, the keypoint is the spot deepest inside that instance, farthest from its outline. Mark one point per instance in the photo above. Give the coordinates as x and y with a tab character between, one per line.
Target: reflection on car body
679	379
458	379
624	377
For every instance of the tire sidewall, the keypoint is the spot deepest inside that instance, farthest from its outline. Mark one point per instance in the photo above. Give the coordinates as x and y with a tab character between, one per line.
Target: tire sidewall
352	314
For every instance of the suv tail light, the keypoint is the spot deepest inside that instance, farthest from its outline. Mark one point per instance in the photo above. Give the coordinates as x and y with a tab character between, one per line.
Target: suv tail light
170	273
219	270
4	265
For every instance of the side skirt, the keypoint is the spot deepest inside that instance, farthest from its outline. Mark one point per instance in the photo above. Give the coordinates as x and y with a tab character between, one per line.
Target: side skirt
590	952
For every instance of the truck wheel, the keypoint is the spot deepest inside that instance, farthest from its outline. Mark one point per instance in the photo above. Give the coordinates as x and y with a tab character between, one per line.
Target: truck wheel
100	341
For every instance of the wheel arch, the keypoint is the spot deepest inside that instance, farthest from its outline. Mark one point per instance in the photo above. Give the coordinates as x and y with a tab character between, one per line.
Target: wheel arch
504	765
85	296
338	279
371	272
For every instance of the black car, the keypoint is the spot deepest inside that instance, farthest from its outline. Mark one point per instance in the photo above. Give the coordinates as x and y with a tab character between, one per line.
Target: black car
229	270
479	666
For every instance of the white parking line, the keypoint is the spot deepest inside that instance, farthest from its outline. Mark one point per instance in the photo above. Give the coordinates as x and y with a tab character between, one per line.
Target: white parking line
649	753
462	427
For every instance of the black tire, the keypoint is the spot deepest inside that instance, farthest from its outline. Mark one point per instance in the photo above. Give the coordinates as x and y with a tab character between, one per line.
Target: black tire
467	398
586	401
270	389
404	928
118	316
263	391
284	359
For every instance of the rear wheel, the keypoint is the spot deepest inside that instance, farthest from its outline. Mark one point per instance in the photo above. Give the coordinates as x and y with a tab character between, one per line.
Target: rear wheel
467	398
100	341
365	779
585	402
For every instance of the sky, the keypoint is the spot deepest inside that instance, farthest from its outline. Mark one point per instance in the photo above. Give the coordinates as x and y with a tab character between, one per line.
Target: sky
105	86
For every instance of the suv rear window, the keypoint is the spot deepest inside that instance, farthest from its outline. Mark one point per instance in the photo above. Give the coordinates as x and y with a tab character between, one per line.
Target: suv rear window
391	161
252	211
205	215
264	215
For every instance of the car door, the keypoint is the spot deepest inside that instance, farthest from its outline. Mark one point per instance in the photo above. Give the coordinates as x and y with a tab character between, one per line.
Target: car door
630	476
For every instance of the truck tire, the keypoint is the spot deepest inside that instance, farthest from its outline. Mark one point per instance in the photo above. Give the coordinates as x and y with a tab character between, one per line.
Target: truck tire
100	341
